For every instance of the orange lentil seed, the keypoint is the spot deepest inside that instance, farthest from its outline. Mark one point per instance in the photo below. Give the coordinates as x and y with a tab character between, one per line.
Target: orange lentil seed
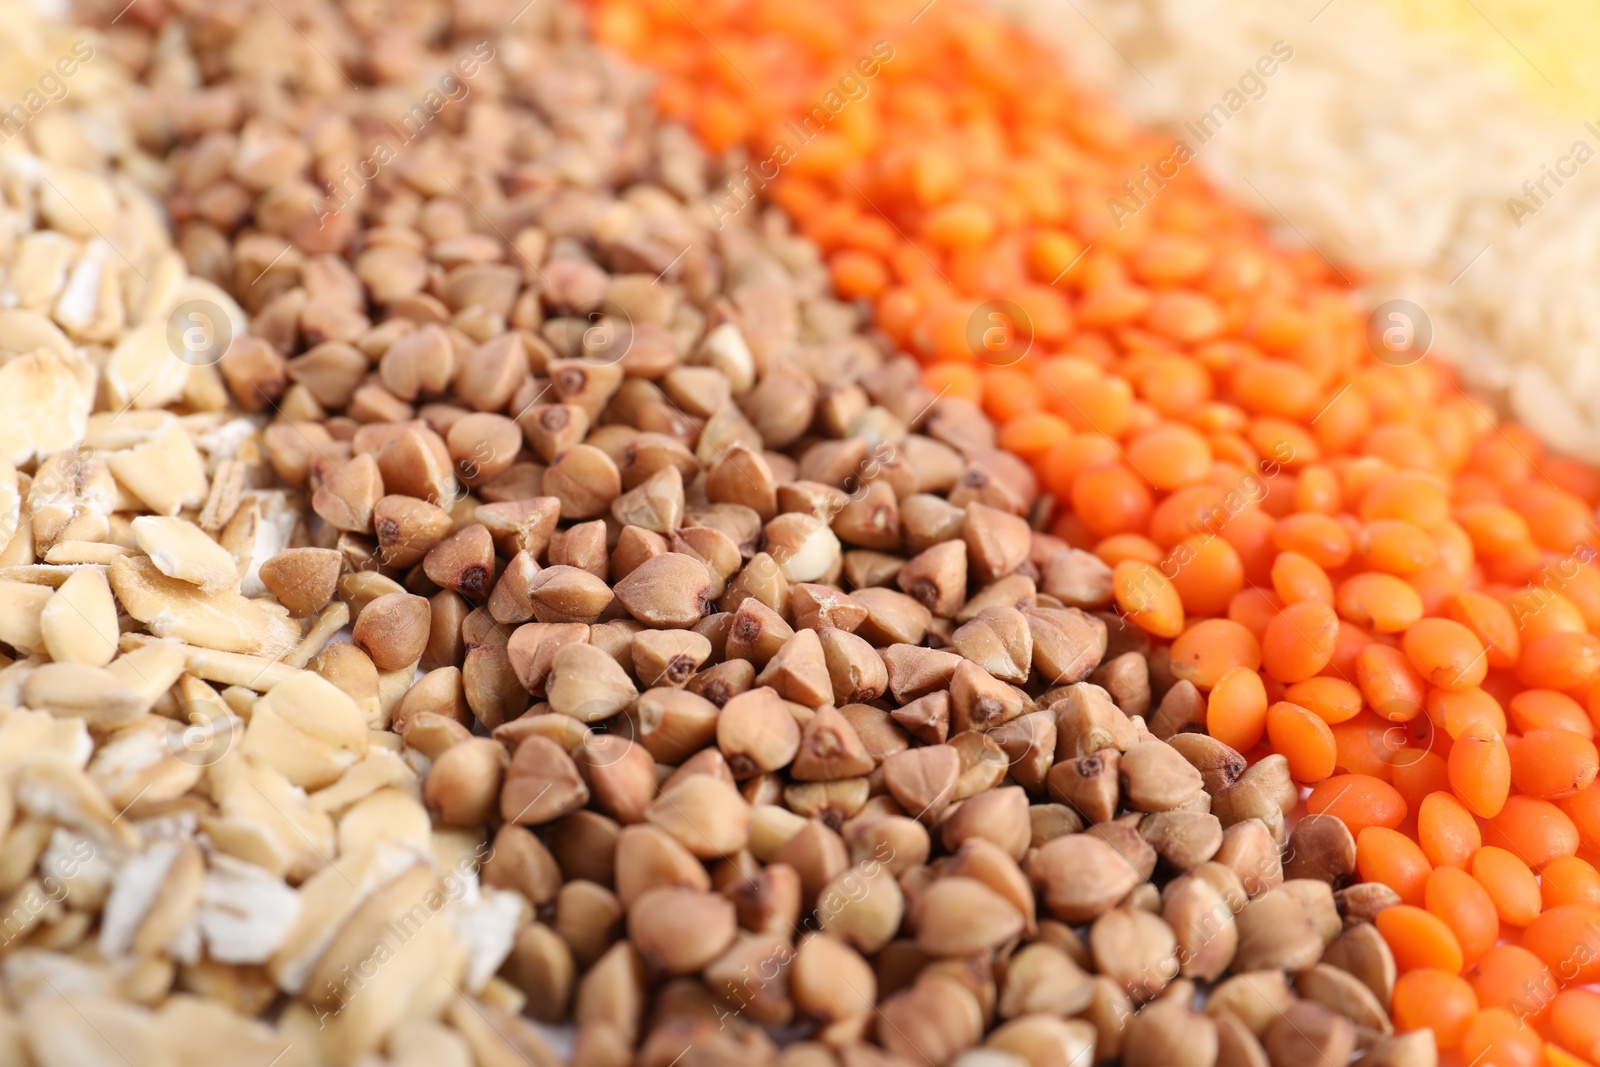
1359	800
1148	598
1236	709
1551	763
1447	831
1393	858
1575	1021
1536	830
1300	641
1381	603
1303	738
1391	685
1569	880
1445	653
1480	770
1509	883
1427	998
1535	709
1418	938
1497	1037
1210	648
1567	938
1509	978
1334	700
1463	905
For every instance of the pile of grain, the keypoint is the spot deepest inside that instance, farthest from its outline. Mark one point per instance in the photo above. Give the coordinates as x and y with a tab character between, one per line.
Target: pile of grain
62	94
1393	152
